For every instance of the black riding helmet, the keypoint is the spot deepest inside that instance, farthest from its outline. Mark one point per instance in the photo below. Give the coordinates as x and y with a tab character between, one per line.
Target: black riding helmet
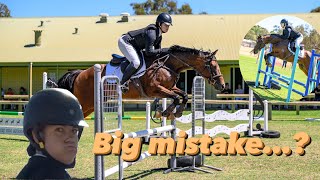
53	106
284	21
164	18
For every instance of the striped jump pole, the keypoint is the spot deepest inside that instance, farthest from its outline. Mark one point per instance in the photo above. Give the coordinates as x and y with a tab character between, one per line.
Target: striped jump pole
11	113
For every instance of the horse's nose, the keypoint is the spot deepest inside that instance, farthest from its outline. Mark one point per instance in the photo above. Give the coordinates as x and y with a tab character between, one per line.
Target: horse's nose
219	86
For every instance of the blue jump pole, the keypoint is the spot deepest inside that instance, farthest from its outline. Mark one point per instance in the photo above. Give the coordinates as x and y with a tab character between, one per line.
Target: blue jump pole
259	67
294	65
311	72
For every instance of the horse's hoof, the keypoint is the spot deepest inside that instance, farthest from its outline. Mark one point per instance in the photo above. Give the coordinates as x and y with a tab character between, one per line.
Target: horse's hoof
157	114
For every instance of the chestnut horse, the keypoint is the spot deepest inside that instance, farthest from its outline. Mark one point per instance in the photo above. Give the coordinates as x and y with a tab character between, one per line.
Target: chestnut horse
159	80
280	50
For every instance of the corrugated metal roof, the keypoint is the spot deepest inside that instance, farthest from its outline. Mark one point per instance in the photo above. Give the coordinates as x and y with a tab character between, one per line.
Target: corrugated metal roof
97	41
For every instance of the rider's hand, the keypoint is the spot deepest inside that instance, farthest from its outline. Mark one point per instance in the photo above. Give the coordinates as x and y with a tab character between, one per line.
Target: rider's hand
164	50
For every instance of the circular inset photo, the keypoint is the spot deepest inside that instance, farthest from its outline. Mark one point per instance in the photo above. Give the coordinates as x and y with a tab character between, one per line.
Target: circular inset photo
280	59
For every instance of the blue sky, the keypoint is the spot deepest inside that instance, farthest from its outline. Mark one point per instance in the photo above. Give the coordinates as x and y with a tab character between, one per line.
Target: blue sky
50	8
269	22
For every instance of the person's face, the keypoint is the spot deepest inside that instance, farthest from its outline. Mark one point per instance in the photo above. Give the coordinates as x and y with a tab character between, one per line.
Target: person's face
61	142
164	27
282	25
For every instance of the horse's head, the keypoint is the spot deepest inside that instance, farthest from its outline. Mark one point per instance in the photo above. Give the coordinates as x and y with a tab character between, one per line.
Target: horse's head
204	63
259	45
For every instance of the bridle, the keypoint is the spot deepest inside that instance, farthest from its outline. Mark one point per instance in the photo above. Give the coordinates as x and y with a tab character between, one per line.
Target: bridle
213	78
262	44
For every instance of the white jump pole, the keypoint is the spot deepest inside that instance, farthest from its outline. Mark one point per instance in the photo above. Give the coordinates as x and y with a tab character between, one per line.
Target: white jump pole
250	133
115	169
44	80
144	155
148	115
266	113
148	132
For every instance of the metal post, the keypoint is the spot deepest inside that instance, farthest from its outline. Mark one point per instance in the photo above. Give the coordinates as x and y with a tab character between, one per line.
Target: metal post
99	172
266	113
44	80
147	119
30	80
250	133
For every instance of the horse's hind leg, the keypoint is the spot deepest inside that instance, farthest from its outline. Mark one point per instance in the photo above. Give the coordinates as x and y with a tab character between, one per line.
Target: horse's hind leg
184	101
304	67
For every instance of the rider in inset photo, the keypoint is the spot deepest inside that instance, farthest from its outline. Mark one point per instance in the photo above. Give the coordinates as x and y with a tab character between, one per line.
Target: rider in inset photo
294	37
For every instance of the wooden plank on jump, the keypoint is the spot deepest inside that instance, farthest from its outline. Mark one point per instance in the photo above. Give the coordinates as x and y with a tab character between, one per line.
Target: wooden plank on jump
19	97
19	103
232	95
13	102
209	101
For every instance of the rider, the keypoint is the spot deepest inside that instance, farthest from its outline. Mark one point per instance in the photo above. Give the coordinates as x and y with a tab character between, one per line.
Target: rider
53	123
290	34
148	39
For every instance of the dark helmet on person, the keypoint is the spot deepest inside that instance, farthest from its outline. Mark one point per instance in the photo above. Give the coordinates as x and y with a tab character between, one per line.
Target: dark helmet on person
284	21
164	18
52	106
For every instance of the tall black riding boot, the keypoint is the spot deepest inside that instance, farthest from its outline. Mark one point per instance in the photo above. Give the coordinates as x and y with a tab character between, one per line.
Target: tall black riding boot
130	70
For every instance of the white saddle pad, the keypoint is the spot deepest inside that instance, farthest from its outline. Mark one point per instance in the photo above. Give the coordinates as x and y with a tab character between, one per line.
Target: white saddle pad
116	71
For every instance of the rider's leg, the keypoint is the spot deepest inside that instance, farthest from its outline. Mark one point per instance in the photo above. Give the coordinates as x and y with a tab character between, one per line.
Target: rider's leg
130	70
297	44
290	47
298	41
130	53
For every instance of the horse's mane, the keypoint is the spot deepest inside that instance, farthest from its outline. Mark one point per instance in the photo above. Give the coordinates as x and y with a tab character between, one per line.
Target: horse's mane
177	48
275	35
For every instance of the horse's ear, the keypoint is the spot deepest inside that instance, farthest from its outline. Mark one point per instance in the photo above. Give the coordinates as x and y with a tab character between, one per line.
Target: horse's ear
215	52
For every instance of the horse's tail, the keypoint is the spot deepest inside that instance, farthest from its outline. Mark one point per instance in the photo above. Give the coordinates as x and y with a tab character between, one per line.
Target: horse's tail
67	80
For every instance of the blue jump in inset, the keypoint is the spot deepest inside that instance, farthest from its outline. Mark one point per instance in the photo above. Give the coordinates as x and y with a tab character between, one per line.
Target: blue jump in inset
270	76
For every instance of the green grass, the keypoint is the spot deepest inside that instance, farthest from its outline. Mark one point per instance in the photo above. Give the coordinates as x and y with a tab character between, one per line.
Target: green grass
13	154
249	69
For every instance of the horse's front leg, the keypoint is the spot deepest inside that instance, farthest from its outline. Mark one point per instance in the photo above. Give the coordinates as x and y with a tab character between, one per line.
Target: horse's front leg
184	100
166	93
266	58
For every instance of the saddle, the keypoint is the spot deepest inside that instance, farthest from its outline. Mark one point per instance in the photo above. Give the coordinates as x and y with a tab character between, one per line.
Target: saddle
123	62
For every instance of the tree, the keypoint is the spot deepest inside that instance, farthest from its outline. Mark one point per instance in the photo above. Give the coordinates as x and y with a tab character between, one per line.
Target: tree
185	9
159	6
255	31
315	10
4	10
